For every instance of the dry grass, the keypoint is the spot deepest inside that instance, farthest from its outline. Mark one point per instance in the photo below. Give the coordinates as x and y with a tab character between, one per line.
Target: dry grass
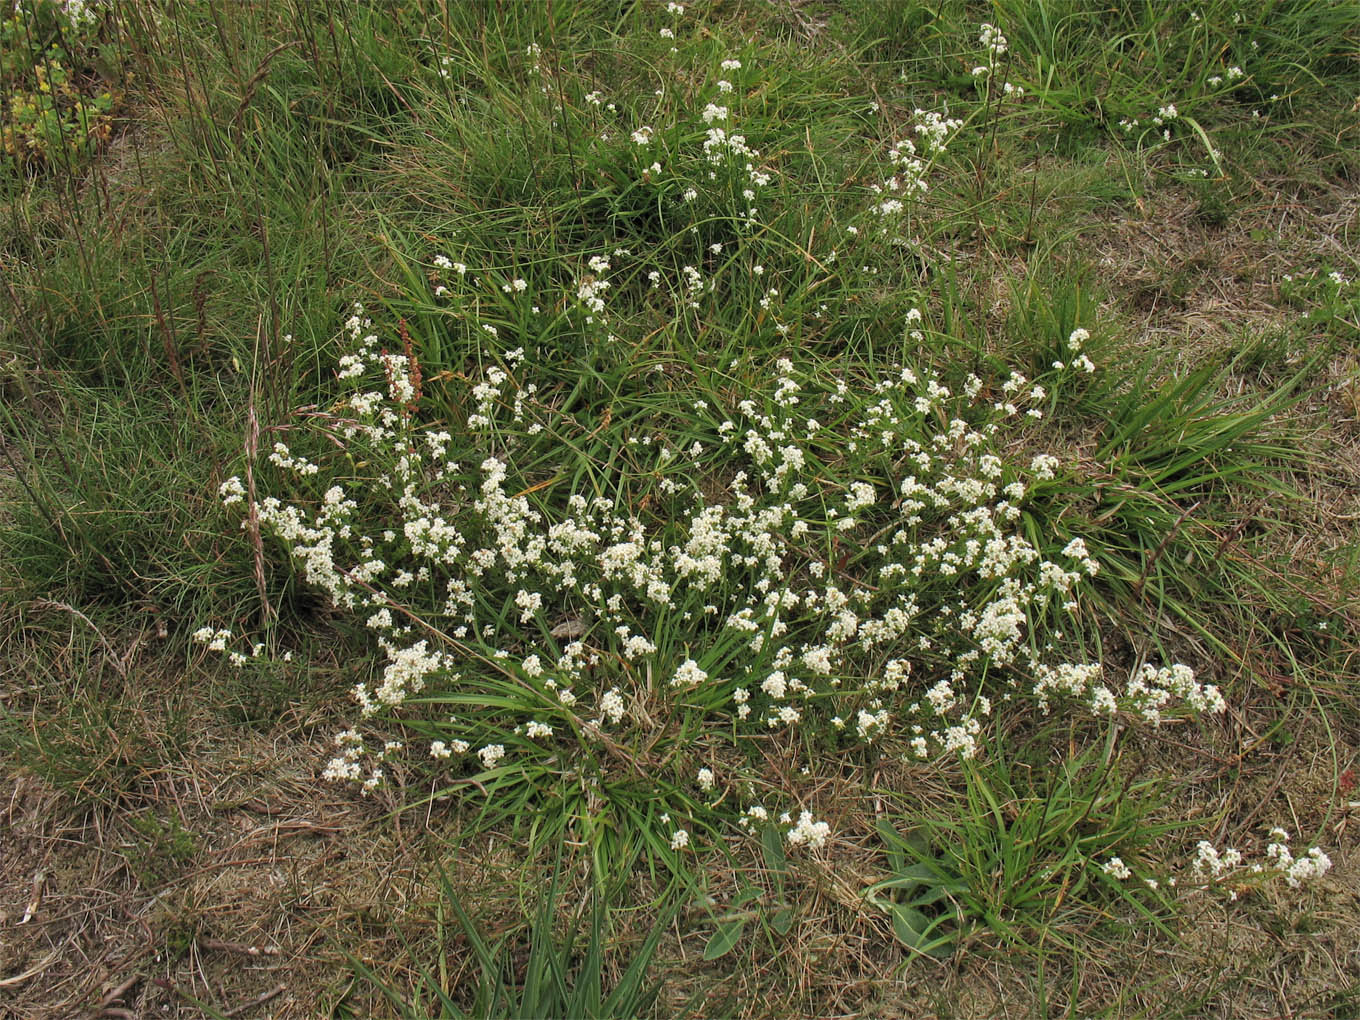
225	873
184	858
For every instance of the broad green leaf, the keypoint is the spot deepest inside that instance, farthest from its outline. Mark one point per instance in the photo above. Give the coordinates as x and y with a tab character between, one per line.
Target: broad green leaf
909	925
772	845
724	940
782	920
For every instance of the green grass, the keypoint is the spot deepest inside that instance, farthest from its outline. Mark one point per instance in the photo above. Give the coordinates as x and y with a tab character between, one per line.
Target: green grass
560	976
1022	855
174	306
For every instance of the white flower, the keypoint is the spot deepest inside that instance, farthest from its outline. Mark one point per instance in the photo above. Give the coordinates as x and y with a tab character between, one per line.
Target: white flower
809	833
688	675
1043	466
679	840
529	603
1076	549
993	40
1116	868
611	705
231	491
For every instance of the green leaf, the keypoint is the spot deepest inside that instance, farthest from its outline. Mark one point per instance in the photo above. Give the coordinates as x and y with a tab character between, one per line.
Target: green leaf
892	844
1208	145
782	920
913	929
724	940
748	894
773	848
909	925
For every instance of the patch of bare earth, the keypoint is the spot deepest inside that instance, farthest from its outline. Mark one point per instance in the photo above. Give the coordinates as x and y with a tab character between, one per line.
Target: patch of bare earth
221	884
197	862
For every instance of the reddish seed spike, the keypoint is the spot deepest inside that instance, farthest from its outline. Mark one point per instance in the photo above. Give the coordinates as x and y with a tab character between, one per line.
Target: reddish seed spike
411	360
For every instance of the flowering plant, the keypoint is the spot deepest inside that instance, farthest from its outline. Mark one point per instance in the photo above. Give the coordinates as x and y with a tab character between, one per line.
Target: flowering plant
659	622
856	577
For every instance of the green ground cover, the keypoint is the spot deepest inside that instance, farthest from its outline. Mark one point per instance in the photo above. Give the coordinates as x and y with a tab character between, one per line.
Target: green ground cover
618	509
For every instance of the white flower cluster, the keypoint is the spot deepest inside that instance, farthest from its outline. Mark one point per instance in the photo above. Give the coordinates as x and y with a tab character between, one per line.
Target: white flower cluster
216	640
808	833
1211	864
843	558
284	459
725	150
730	596
908	180
1160	123
1230	75
81	13
1079	360
1230	868
991	39
231	491
591	287
995	46
1296	870
1116	869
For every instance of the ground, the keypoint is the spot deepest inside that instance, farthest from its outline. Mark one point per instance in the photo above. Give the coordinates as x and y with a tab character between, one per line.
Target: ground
169	847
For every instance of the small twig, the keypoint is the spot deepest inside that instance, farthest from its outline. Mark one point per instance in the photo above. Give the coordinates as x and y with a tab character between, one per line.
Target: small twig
39	880
168	340
114	994
1236	532
1157	553
36	969
239	947
259	1000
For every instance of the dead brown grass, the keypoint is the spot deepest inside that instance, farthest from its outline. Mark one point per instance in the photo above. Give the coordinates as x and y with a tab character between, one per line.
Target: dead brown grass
200	861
